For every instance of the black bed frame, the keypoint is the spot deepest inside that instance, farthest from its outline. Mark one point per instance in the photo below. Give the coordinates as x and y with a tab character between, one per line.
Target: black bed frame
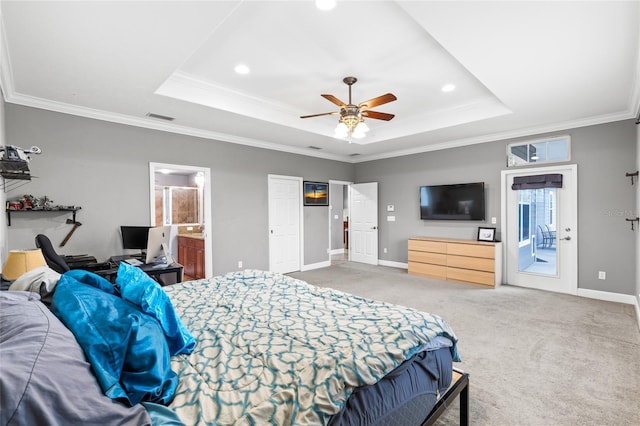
459	387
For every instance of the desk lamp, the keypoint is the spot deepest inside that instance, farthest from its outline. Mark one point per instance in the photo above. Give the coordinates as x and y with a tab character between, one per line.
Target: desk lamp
21	261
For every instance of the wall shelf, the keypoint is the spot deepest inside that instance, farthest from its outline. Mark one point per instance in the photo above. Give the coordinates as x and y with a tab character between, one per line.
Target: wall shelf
73	211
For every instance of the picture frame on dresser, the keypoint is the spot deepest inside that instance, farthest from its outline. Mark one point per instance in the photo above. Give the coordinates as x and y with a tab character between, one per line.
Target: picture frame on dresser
486	234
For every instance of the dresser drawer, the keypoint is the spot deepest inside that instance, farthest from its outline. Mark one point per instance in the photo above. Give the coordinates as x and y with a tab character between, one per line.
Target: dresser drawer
427	257
470	276
477	263
427	270
430	246
473	250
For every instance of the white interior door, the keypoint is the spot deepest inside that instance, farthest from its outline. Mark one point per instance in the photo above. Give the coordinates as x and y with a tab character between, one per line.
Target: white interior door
541	231
285	203
363	223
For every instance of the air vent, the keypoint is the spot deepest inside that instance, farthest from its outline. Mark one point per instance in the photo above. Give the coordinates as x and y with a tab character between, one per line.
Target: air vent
160	117
314	147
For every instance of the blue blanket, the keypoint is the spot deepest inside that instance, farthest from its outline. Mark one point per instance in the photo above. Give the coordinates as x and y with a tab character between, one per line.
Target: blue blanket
128	349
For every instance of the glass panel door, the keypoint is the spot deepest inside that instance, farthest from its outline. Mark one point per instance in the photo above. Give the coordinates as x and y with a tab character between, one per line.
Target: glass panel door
539	228
537	252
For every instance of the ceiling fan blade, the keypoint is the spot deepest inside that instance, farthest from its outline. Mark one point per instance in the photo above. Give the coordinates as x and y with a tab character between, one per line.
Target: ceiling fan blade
319	115
377	115
380	100
335	100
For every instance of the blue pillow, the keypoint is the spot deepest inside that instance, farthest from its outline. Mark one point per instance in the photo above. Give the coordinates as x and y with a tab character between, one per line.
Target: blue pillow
92	279
125	346
140	289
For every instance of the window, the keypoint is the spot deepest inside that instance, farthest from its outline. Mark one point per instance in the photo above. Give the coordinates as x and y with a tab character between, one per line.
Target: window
524	217
551	150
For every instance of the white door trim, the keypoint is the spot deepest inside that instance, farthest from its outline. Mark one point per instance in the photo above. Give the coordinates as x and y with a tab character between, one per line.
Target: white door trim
504	185
208	223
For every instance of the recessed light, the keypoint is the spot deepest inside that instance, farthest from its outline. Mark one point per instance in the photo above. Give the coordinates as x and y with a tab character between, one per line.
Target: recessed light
448	88
242	69
325	4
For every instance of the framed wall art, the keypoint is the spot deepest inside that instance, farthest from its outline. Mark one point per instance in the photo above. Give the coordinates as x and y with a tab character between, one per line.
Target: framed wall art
316	193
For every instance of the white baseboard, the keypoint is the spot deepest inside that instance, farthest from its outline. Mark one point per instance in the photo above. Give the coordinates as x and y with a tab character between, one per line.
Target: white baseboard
337	251
607	296
392	264
315	266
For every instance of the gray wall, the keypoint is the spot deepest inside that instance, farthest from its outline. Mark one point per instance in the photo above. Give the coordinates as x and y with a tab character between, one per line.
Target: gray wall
104	167
603	154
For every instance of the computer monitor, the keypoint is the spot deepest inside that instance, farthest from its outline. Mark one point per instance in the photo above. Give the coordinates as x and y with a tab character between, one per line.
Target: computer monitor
135	238
158	245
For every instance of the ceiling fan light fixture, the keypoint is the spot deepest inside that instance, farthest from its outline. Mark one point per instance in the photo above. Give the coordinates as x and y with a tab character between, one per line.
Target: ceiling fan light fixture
341	131
351	122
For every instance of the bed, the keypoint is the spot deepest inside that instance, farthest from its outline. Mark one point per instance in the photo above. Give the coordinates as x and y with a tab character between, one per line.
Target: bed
266	349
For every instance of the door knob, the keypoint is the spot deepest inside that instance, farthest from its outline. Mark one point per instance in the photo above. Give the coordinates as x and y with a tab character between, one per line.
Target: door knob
375	227
566	238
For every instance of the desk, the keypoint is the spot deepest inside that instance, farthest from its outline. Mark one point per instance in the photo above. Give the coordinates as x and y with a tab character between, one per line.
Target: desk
154	271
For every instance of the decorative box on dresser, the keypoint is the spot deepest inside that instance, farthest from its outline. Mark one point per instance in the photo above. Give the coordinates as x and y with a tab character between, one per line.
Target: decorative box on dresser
468	261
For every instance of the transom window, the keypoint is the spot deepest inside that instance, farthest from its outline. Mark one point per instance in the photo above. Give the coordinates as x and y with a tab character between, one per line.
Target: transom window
549	150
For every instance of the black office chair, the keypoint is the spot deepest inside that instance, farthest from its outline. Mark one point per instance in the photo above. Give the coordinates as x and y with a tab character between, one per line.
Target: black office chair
63	264
54	260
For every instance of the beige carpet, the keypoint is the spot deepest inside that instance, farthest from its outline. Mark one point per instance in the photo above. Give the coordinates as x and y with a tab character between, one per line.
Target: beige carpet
534	357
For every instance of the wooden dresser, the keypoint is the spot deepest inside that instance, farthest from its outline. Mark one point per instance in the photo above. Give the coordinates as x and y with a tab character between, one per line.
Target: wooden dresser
468	261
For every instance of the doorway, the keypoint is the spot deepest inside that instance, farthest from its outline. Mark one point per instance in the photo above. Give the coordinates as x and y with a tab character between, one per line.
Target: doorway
338	221
539	210
172	204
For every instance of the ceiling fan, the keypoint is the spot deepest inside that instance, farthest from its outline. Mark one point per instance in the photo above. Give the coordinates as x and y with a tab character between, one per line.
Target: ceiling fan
351	121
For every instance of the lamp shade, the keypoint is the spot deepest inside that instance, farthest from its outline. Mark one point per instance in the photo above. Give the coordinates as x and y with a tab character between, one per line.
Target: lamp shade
21	261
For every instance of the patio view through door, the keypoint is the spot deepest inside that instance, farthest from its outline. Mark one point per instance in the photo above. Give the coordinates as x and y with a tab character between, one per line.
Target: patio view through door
541	221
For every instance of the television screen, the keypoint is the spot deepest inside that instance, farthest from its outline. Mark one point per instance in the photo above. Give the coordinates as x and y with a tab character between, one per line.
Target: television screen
464	201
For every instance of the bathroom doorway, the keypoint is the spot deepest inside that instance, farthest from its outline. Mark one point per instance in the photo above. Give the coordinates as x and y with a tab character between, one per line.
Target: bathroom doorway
180	197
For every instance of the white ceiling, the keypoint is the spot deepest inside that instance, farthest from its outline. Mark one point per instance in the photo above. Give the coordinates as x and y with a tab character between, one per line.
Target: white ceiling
519	68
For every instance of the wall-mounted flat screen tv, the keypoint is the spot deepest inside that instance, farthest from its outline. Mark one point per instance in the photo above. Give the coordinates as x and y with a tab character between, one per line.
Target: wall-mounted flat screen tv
463	201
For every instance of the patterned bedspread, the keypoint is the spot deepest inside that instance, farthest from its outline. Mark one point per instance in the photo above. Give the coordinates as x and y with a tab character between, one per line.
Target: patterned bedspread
275	350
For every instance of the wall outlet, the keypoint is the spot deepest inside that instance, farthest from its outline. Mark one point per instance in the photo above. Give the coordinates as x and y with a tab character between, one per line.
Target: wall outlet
602	275
239	263
384	249
494	220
